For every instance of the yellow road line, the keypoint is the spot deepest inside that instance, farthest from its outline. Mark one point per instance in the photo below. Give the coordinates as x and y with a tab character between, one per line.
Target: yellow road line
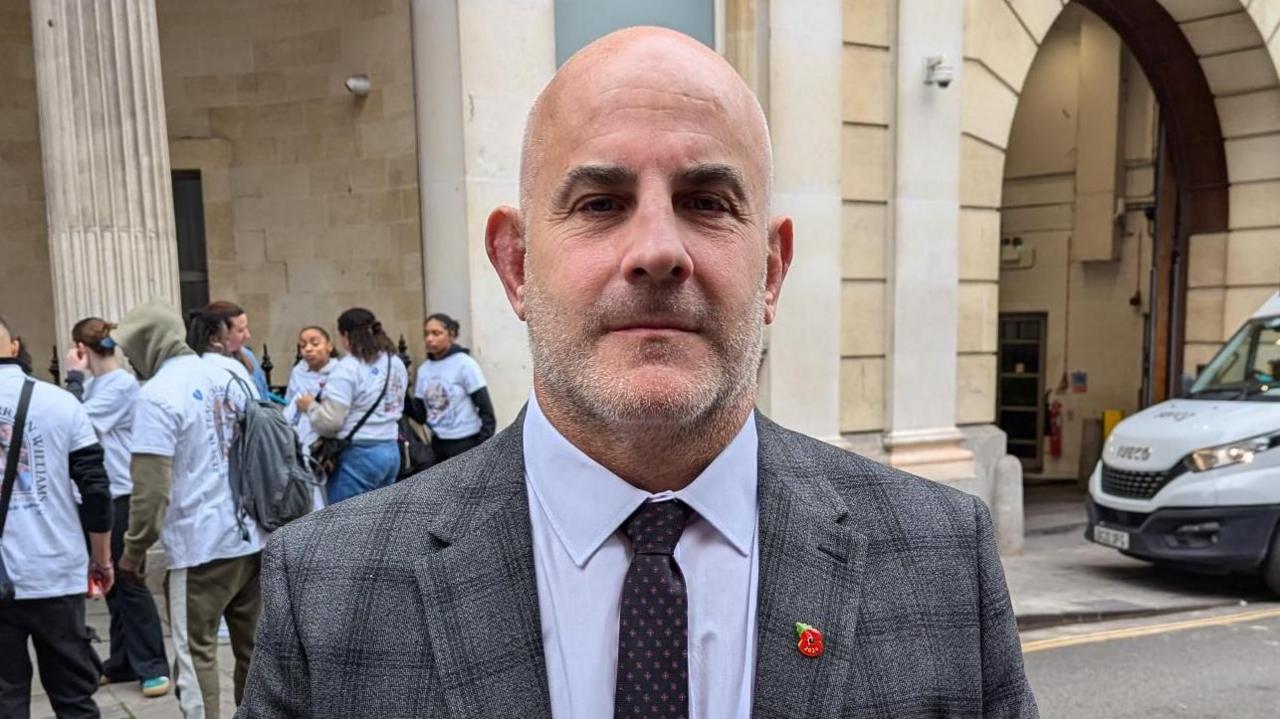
1069	641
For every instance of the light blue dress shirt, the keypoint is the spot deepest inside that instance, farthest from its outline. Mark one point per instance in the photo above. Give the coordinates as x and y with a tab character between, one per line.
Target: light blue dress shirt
576	507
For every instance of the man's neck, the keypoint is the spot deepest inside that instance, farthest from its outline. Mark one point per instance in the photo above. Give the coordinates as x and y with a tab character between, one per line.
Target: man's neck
656	456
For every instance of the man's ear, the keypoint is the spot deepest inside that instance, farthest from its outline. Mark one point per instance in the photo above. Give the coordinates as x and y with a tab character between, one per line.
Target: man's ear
505	243
778	261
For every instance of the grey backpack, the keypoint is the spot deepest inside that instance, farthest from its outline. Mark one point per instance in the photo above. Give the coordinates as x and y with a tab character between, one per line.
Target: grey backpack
270	480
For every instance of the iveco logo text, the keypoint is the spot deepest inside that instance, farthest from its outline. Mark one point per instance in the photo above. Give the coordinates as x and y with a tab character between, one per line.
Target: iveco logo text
1136	454
1175	415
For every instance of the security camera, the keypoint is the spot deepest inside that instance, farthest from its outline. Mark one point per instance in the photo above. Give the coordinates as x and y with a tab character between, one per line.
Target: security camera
358	85
938	72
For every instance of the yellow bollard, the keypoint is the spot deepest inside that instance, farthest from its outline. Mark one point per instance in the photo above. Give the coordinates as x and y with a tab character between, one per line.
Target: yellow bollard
1110	418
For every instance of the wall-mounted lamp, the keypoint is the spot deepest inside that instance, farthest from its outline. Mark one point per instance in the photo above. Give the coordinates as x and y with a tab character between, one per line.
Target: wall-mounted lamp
358	85
938	72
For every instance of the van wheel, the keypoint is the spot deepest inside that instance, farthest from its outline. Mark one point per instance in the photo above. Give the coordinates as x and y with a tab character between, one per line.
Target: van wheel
1271	567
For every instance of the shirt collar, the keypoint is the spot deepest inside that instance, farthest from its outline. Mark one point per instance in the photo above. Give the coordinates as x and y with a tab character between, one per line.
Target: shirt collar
586	503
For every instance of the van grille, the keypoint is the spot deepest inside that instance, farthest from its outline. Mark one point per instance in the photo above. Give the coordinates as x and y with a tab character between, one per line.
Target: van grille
1120	518
1134	485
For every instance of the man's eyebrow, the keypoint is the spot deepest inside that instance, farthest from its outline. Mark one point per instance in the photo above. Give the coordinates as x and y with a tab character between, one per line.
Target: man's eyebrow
714	173
592	176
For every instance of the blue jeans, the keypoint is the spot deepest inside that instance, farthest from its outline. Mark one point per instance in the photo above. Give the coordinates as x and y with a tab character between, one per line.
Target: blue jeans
364	466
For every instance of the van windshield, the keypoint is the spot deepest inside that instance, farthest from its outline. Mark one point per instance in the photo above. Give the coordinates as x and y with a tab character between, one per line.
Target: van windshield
1247	367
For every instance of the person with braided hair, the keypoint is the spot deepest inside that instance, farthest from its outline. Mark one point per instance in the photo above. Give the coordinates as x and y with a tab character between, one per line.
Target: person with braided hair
361	405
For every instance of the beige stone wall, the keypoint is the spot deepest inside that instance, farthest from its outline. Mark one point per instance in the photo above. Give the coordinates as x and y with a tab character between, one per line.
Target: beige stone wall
867	148
1092	325
311	199
26	293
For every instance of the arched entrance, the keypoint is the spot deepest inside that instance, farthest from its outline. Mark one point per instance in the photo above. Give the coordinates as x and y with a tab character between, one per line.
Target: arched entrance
1151	241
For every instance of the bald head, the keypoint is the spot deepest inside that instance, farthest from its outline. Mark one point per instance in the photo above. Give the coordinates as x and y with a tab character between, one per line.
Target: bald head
604	78
643	257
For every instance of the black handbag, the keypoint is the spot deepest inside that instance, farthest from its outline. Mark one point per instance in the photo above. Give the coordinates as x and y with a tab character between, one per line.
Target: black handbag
326	452
12	457
416	452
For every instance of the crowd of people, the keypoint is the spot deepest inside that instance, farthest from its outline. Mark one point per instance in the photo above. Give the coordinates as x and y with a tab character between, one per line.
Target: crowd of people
128	456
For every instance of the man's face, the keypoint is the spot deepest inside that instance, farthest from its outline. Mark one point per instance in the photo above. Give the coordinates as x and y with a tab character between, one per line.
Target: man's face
238	333
651	268
8	347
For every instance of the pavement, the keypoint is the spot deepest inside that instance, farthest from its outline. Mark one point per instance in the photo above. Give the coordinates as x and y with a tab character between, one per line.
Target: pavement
117	701
1062	578
1060	582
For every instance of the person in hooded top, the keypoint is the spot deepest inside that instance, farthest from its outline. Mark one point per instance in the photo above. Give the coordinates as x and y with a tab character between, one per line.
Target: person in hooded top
183	426
108	393
451	395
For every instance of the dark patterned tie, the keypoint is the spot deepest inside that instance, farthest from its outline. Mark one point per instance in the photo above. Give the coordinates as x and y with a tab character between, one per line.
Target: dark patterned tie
653	627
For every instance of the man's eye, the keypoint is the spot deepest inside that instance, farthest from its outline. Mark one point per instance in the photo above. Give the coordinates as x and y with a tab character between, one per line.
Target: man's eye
600	205
706	203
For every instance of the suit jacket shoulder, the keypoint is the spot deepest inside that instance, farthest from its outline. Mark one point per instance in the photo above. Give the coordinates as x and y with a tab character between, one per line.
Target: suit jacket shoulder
882	500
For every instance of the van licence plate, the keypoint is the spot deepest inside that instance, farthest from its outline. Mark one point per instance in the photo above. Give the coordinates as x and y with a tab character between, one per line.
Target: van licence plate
1111	537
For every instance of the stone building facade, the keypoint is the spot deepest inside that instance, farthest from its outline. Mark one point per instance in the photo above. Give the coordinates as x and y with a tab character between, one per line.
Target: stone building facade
949	165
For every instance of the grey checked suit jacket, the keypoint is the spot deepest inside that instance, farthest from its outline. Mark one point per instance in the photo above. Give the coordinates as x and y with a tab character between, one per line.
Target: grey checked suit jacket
419	600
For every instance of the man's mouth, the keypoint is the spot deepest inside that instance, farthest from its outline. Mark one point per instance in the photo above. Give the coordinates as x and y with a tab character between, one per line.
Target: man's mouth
654	325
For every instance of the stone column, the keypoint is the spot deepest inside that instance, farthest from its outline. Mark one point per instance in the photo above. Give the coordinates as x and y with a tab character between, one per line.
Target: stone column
801	382
105	148
474	82
921	434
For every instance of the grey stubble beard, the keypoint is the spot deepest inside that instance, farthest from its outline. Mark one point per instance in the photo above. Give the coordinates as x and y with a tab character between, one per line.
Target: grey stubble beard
564	365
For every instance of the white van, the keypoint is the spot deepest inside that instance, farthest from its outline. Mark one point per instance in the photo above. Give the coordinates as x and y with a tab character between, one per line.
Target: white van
1195	482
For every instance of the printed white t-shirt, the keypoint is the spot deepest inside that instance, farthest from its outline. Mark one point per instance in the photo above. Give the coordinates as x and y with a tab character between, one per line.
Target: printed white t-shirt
446	386
357	385
235	366
188	412
43	543
108	400
302	380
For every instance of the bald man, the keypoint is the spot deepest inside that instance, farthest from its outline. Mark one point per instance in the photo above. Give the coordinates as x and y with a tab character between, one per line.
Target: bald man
641	542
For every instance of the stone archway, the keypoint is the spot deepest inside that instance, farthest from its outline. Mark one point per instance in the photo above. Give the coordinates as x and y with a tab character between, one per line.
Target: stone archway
1197	53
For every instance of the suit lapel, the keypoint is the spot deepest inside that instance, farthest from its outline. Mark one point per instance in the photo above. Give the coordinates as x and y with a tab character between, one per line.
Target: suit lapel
811	565
480	598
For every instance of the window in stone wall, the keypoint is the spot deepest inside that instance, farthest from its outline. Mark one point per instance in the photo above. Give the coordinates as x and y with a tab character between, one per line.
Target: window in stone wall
193	259
578	22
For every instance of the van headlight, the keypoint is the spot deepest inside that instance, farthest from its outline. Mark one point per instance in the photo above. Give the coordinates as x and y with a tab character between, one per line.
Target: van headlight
1225	455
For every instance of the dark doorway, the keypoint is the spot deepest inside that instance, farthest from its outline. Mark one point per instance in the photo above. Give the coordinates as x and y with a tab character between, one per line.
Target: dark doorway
193	261
1021	386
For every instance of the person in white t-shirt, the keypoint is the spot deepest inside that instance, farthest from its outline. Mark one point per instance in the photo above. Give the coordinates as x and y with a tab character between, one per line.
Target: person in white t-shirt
108	393
183	426
361	403
208	335
60	492
309	376
451	395
236	341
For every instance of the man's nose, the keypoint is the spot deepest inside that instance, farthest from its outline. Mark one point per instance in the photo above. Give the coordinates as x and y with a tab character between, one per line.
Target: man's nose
655	252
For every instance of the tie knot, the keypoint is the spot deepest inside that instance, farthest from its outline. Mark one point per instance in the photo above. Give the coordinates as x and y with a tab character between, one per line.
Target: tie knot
655	527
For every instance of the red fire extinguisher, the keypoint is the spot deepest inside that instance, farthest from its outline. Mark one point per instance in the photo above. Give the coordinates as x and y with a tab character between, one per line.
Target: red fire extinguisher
1055	429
